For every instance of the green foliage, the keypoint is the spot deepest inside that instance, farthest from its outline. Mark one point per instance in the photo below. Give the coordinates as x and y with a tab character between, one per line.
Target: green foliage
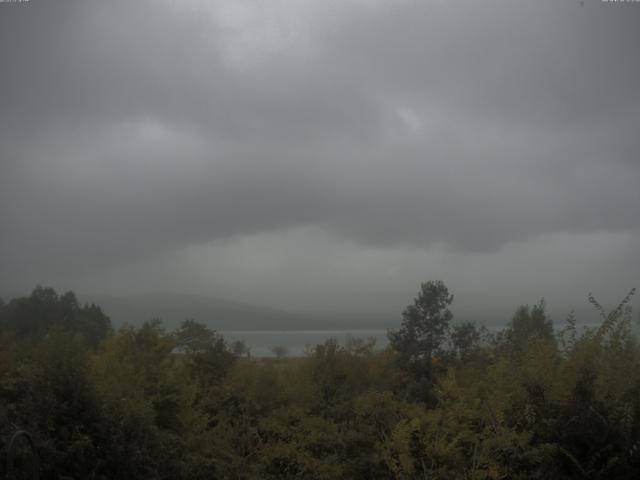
466	339
34	315
207	356
421	337
527	323
144	403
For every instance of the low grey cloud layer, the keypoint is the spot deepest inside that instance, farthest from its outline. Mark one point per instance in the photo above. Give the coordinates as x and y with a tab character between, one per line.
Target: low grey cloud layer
141	135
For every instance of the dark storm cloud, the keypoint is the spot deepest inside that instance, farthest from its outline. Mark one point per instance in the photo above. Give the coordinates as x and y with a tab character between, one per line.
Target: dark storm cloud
130	129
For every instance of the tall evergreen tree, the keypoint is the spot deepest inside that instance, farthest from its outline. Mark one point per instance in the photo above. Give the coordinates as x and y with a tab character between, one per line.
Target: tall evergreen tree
420	340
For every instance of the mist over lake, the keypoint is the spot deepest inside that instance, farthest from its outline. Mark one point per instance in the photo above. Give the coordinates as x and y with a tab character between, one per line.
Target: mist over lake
298	342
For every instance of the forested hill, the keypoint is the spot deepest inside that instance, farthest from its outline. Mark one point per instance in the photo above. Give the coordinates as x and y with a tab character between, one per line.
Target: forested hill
221	314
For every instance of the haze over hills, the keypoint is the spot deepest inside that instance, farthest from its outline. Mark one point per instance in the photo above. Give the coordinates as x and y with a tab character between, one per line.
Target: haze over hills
222	314
230	315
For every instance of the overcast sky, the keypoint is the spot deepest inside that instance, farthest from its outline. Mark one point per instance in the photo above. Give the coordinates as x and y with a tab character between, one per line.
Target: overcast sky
322	155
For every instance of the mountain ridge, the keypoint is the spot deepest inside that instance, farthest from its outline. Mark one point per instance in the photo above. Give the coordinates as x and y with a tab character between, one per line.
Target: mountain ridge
221	314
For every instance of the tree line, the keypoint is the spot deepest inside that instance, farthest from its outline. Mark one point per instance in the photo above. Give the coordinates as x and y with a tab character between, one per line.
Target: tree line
444	400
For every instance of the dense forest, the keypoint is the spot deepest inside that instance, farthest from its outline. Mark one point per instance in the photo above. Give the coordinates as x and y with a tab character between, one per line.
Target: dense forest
443	401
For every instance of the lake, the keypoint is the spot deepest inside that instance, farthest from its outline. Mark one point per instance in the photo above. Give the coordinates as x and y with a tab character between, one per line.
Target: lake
296	341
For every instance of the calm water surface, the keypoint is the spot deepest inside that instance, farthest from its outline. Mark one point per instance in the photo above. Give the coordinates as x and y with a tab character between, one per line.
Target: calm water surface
296	341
